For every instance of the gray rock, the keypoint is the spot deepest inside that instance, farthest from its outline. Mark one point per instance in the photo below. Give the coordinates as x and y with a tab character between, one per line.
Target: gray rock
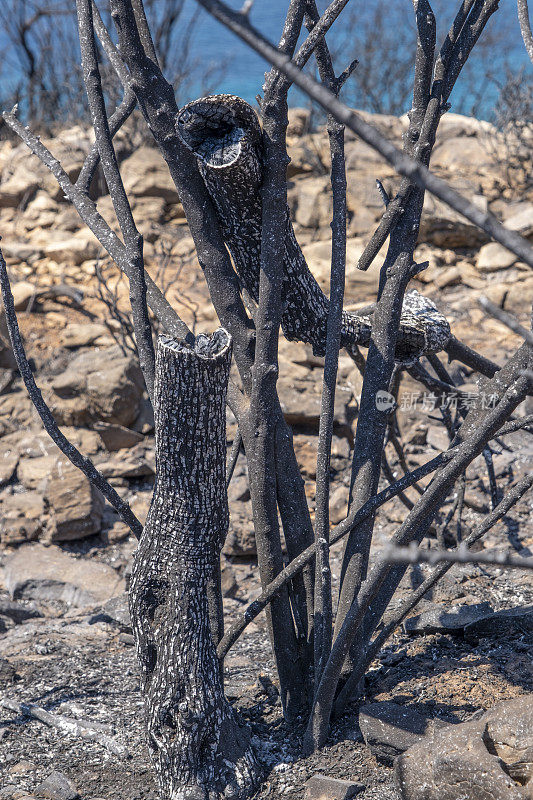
21	517
115	612
43	573
322	787
487	759
510	622
133	462
100	384
8	673
390	729
239	489
117	437
447	620
229	583
75	505
17	612
57	787
240	540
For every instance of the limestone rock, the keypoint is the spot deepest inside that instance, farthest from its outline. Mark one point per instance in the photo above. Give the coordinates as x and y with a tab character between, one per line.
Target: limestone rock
338	504
486	759
228	580
493	256
76	506
322	787
145	174
18	612
240	540
47	573
313	203
97	385
443	227
82	334
115	612
20	186
390	729
299	121
133	462
9	457
301	402
463	154
57	787
7	359
73	249
34	472
21	517
522	222
23	292
361	287
239	489
117	437
449	619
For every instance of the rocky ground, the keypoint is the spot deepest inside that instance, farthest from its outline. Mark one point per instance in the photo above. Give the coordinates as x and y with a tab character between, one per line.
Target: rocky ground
64	554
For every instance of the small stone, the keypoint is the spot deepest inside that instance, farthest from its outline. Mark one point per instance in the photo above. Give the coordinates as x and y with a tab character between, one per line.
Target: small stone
522	222
82	334
494	256
115	612
33	472
117	437
338	504
21	517
321	787
57	787
438	438
9	457
239	489
133	462
23	292
8	673
229	583
240	540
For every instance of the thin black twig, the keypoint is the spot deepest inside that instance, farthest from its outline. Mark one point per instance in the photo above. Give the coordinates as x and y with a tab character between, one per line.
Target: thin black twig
133	243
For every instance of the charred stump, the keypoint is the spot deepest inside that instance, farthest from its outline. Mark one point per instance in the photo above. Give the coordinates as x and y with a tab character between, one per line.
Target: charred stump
200	752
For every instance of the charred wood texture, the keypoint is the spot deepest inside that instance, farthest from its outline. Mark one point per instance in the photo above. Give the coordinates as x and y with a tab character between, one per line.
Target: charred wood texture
199	749
223	132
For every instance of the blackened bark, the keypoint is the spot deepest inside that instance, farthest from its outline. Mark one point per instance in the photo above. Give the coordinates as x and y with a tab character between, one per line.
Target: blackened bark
199	750
223	132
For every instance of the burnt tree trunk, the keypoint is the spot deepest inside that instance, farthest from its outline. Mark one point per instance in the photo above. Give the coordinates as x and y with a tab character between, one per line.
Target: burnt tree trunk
223	132
199	750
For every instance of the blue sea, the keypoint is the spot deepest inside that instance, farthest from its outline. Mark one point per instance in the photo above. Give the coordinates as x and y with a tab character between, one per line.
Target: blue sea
244	69
386	21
